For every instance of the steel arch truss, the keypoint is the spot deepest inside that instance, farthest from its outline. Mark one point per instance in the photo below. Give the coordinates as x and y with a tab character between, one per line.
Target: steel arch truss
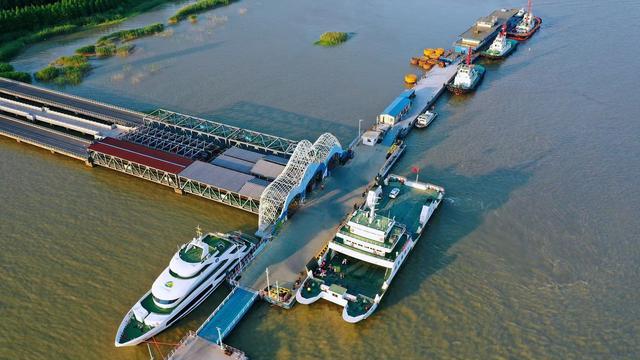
288	184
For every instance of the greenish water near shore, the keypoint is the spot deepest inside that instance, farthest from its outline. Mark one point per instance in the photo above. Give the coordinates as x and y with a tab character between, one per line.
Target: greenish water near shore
533	254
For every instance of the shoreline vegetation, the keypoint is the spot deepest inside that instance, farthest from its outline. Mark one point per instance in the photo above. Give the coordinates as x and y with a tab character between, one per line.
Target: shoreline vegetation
7	71
25	22
196	8
66	70
71	70
333	38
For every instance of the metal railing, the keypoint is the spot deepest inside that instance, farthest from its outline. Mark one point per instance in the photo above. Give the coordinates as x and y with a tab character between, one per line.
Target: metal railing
43	145
69	107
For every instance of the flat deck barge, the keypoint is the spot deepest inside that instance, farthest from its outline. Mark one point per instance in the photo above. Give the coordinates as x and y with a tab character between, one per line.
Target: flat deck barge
484	30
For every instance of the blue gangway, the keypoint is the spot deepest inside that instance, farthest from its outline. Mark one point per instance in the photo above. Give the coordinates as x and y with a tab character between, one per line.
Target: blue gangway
227	315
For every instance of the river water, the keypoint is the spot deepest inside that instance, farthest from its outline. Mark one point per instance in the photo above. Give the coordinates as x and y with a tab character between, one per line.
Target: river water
534	254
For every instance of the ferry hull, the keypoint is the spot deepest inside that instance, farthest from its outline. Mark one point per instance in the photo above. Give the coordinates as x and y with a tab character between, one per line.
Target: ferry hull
525	36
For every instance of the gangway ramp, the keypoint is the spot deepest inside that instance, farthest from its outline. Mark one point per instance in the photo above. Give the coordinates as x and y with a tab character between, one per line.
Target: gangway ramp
227	315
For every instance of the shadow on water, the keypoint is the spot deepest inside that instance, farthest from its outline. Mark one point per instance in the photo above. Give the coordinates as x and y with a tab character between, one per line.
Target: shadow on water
468	201
275	121
173	55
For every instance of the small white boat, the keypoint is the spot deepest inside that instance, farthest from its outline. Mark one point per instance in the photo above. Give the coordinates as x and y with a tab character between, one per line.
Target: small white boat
425	119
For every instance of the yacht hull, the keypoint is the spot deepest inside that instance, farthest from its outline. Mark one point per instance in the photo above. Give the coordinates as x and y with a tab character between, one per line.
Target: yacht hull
192	302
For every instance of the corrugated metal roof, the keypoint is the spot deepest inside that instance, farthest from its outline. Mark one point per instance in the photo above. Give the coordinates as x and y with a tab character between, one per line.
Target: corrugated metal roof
254	188
277	159
141	155
152	152
397	106
243	154
216	176
267	169
233	163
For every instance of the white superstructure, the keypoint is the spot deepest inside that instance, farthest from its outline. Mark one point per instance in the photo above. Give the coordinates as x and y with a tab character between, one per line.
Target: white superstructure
466	76
527	23
425	119
500	45
194	271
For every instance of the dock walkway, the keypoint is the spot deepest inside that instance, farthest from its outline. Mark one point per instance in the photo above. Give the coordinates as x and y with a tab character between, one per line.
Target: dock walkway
44	138
205	343
54	99
227	315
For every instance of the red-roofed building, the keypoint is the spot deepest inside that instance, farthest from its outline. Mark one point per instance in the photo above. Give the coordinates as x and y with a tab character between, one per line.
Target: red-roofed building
142	155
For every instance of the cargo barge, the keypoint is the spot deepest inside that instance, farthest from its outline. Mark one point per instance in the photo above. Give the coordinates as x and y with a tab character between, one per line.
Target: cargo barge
484	30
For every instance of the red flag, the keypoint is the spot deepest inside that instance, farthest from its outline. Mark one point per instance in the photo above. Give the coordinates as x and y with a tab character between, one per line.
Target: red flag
415	169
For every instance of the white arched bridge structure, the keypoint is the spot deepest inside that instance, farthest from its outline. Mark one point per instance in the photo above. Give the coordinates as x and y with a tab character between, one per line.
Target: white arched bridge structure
307	163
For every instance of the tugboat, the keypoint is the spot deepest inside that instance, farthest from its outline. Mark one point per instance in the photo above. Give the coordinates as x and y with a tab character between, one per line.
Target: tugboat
425	119
526	27
467	78
501	46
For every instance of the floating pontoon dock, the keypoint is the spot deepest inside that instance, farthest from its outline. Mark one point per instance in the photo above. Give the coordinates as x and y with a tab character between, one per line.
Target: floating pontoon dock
253	171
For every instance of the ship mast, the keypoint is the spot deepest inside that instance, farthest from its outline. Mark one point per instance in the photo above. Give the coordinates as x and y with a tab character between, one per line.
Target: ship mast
529	6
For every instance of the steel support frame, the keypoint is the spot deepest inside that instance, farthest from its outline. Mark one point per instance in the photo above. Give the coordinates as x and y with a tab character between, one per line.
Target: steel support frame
215	131
219	195
170	141
135	169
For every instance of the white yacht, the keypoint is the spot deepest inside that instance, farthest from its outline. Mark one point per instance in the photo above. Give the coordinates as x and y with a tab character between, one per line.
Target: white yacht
501	47
423	120
195	271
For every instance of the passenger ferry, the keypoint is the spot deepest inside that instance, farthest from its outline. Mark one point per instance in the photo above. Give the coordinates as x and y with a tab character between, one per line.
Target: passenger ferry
501	46
467	77
357	267
194	272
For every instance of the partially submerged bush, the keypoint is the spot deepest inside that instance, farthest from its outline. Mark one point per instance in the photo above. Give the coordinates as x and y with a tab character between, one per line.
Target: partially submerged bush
65	70
88	50
332	38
